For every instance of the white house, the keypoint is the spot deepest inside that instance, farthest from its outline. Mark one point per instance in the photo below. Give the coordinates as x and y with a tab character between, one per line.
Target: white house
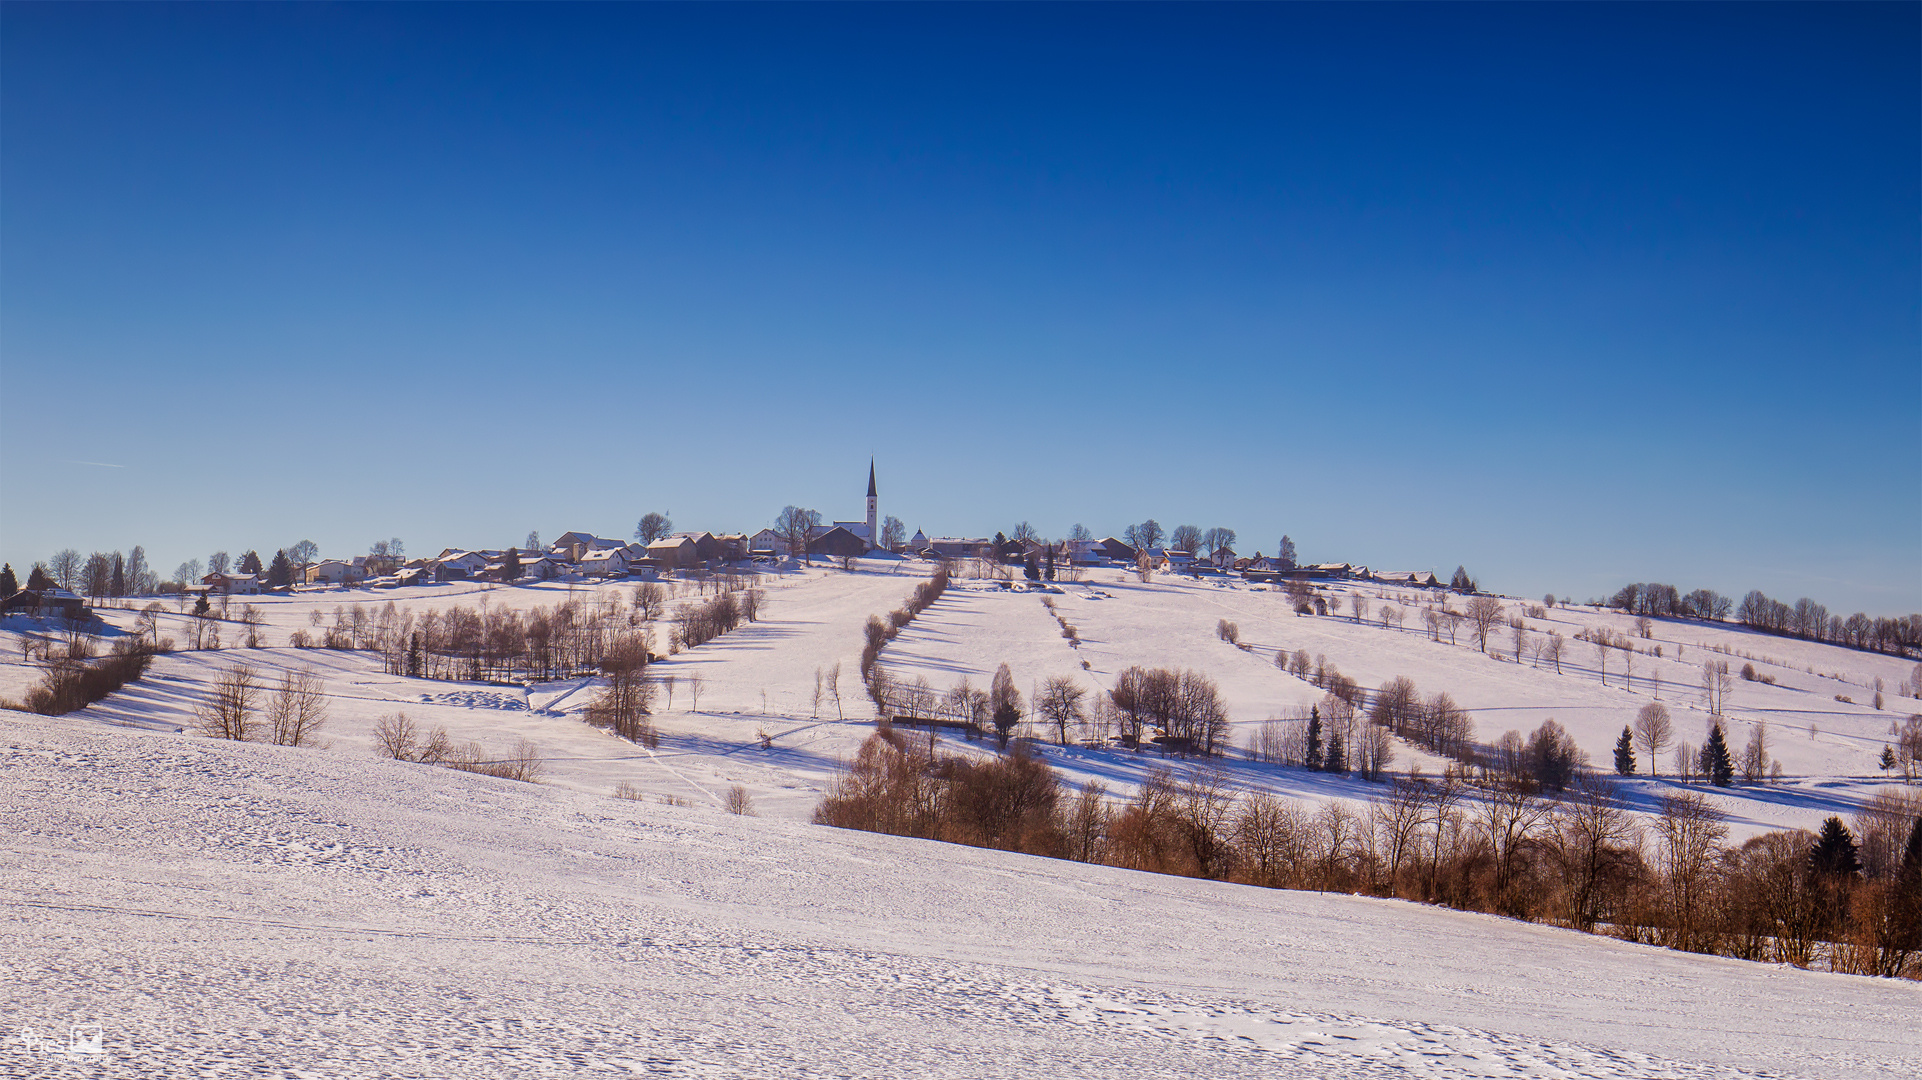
607	562
232	584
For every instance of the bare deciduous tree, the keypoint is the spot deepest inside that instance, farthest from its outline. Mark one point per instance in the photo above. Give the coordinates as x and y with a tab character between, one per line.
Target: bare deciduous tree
230	711
65	566
652	527
1691	831
1653	730
1060	702
1716	683
297	709
793	527
1486	613
1552	646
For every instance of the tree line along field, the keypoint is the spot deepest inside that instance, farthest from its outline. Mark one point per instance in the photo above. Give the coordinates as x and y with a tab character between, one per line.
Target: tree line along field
765	714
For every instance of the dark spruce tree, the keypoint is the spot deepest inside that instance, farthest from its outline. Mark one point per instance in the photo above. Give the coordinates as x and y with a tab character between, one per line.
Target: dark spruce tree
1717	765
1625	752
1033	569
118	583
511	566
249	563
8	583
1887	760
1834	853
37	579
281	573
1337	758
1314	739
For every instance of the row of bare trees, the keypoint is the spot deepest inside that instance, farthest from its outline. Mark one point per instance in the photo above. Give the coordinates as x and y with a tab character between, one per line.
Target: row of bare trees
1486	844
878	632
243	708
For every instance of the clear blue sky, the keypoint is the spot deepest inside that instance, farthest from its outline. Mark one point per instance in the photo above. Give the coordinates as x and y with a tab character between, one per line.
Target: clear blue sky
1574	295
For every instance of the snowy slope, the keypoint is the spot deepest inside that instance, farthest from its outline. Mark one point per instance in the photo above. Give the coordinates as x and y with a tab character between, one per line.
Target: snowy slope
232	909
761	679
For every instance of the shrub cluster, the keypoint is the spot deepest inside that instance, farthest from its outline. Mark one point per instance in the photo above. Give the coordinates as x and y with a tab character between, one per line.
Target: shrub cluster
697	624
1480	844
901	785
75	682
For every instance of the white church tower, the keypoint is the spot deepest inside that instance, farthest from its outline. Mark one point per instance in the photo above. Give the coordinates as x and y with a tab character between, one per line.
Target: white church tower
874	533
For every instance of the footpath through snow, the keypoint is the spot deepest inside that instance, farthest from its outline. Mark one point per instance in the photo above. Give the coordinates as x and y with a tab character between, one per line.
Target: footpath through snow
230	909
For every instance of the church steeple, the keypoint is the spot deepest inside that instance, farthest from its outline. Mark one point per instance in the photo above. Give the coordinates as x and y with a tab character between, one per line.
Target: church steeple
874	534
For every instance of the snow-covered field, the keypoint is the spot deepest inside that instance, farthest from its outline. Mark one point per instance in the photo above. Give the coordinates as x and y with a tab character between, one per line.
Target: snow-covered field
761	678
225	909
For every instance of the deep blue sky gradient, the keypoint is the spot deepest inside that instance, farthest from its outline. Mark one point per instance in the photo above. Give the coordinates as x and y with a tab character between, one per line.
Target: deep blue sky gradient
1575	295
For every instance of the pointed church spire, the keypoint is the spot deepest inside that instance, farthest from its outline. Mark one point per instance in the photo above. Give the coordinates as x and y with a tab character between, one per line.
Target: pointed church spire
870	478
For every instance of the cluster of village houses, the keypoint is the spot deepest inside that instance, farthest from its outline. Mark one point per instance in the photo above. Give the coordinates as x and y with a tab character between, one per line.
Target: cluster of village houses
581	555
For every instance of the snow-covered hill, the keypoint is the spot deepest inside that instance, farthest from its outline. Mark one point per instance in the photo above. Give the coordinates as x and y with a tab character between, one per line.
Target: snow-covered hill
224	909
761	678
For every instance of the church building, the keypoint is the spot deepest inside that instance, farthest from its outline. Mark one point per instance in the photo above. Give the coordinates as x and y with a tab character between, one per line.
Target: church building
868	531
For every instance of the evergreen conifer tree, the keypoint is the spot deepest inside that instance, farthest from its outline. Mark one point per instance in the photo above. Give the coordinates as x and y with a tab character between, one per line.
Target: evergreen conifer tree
37	579
117	584
1625	752
249	563
511	566
1461	582
1337	759
1717	765
1314	739
1033	568
1835	852
281	573
1887	760
8	583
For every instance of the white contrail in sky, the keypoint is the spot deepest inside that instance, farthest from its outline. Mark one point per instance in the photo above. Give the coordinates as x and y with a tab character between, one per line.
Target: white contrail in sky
102	464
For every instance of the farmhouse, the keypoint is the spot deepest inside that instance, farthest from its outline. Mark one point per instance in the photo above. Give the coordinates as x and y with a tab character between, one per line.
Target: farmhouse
334	572
955	547
607	562
677	552
232	584
43	602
